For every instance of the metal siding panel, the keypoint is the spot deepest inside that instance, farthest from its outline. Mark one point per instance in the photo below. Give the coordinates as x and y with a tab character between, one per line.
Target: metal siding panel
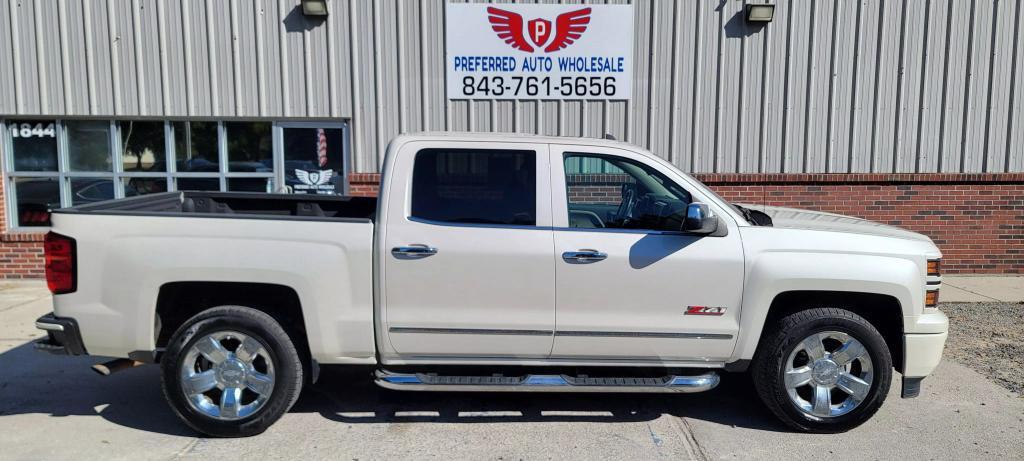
26	67
973	148
777	88
7	91
616	113
548	118
682	86
268	69
730	80
318	94
658	114
197	45
800	71
819	118
999	93
706	128
527	117
913	71
849	53
751	104
888	72
293	66
433	87
148	55
243	40
339	48
125	80
636	132
48	54
386	53
175	85
365	150
932	106
957	80
1015	125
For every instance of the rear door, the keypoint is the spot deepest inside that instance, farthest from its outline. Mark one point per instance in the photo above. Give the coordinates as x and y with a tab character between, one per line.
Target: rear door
631	285
469	259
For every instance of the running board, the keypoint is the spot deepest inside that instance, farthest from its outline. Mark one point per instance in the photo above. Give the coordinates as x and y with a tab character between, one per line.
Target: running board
543	383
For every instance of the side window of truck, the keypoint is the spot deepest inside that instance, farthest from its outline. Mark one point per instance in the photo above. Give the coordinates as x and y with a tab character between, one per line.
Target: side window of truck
475	186
608	192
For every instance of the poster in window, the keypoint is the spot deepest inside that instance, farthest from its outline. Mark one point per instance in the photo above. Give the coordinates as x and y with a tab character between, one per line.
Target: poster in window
313	162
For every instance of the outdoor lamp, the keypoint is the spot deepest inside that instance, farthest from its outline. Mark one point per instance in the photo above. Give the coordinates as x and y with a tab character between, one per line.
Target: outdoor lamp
314	7
760	13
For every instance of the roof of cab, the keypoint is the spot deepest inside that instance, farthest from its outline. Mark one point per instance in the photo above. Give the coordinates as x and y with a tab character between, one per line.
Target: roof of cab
515	137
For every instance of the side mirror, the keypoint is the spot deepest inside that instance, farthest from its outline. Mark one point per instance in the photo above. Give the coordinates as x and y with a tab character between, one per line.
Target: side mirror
699	219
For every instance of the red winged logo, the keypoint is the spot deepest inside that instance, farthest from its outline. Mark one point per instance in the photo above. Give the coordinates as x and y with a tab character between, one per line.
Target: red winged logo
569	27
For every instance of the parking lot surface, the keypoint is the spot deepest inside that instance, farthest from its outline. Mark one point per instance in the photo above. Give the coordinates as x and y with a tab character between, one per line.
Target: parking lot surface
54	407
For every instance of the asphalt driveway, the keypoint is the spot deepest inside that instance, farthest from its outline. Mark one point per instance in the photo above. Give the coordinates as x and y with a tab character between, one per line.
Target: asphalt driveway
54	407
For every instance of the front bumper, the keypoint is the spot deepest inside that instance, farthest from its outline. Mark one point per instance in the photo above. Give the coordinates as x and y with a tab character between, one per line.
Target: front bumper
62	336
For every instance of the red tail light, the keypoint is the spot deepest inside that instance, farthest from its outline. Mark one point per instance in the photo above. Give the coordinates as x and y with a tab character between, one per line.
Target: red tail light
60	263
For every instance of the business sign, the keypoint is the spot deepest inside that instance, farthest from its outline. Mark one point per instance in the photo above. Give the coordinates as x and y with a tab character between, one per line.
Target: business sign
505	51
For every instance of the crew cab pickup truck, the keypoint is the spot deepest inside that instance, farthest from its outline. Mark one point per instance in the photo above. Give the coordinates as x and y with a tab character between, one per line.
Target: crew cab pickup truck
496	263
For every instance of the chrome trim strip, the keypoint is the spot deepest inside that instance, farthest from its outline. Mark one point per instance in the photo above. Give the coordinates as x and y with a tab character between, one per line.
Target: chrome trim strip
469	331
642	334
543	383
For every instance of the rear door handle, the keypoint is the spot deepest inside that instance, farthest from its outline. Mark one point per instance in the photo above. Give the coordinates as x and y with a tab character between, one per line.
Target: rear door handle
414	251
584	256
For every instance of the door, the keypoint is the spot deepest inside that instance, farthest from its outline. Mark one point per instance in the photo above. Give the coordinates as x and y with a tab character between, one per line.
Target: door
630	284
313	157
468	252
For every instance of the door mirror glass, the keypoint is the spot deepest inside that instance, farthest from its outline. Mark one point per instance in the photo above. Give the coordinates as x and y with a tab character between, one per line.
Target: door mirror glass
699	219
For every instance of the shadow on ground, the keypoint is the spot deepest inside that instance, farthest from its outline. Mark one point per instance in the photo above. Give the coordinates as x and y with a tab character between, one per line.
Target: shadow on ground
33	382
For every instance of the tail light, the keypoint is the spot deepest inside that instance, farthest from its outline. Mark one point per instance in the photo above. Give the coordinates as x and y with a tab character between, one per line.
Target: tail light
60	263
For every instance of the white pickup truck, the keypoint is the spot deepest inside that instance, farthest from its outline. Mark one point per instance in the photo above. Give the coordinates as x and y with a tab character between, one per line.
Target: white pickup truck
496	263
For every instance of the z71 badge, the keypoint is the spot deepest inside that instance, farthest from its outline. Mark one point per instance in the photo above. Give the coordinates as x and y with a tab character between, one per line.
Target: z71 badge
704	310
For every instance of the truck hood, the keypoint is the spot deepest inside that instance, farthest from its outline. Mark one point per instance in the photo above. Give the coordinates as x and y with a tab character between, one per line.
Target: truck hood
792	218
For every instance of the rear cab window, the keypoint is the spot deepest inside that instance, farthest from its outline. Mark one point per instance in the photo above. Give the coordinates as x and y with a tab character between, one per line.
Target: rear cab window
475	186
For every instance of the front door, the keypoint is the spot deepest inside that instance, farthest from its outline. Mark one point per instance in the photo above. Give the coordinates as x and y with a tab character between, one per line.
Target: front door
468	253
630	285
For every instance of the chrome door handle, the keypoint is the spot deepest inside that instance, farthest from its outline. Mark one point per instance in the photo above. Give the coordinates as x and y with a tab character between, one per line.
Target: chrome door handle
414	251
584	256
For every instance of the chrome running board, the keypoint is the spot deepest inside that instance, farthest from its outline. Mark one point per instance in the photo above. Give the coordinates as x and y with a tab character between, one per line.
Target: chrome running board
544	383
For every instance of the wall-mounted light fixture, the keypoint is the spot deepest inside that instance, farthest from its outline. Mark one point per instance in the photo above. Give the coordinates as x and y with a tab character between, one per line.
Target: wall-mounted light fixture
760	13
314	7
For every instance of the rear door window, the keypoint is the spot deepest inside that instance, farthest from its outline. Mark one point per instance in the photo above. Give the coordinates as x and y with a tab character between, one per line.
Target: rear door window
475	186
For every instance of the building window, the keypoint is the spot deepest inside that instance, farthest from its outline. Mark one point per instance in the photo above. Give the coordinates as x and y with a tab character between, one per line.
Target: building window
49	164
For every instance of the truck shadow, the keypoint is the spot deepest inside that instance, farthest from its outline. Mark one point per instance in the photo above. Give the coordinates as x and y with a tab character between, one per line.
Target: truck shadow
36	383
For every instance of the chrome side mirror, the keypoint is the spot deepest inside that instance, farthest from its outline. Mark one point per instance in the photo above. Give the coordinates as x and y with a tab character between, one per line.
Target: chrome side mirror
699	219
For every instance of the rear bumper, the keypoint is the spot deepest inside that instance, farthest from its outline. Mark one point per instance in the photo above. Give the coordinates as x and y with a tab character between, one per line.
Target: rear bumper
62	336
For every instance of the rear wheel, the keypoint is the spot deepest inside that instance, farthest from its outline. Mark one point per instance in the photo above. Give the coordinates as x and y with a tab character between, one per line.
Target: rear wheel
231	371
823	370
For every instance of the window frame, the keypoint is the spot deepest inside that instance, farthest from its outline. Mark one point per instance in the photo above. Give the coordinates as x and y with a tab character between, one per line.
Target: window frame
560	198
118	175
537	187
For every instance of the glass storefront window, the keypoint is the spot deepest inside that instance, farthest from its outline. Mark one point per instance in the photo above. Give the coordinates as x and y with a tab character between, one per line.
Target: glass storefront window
142	186
34	144
36	197
199	184
142	146
195	146
91	190
88	145
250	185
250	149
313	160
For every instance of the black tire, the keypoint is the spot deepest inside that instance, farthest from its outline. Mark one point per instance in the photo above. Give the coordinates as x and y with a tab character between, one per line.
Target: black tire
783	337
255	324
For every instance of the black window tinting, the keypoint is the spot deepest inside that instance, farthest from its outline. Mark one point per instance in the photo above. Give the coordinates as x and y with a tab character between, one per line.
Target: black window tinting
475	186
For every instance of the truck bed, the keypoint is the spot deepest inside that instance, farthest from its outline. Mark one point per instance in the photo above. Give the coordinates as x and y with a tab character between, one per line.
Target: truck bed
247	205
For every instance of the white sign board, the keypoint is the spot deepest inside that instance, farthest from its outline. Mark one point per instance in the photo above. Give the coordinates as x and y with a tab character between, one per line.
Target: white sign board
506	51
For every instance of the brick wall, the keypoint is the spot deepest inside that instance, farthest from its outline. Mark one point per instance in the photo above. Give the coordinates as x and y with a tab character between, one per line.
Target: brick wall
976	219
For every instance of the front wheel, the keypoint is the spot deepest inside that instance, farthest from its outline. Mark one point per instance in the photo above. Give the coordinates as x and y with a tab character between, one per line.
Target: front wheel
823	370
231	371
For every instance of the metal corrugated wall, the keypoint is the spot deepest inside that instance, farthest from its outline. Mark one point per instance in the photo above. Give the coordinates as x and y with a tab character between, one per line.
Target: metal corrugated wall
829	86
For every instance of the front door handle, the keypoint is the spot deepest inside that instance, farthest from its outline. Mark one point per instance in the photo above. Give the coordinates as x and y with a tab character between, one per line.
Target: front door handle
414	251
584	256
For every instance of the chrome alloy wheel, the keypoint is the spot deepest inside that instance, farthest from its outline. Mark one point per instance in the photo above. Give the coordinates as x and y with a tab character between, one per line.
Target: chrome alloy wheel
227	375
828	374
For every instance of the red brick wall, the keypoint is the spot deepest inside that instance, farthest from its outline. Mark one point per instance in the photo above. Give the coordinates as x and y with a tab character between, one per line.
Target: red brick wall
976	219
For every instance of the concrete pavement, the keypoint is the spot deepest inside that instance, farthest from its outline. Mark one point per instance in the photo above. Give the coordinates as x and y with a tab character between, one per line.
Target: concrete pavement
54	407
982	288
